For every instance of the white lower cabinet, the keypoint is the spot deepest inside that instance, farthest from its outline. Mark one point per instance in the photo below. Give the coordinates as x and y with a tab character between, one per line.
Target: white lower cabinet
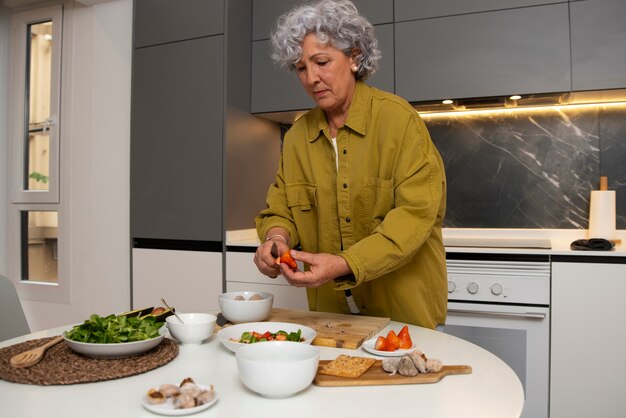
588	340
242	274
190	281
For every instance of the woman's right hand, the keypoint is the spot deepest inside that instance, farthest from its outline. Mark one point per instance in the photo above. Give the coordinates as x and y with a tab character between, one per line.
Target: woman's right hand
265	261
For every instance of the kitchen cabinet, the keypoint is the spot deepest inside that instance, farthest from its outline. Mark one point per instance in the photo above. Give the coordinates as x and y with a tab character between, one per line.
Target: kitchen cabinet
160	21
242	274
275	89
516	51
424	9
598	44
190	281
265	13
176	141
588	336
184	109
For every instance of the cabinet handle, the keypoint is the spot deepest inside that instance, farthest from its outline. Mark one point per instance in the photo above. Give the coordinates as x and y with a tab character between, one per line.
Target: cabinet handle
534	315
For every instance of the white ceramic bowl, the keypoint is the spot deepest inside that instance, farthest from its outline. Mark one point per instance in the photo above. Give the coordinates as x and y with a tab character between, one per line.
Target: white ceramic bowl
115	350
238	311
277	369
228	334
196	328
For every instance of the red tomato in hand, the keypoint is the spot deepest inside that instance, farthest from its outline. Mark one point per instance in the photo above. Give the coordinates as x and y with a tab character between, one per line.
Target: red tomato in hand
286	258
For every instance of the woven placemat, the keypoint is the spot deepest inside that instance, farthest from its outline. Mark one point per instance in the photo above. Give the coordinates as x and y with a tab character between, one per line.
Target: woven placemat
62	366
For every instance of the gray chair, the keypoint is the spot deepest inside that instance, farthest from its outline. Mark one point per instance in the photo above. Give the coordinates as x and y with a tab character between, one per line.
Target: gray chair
12	319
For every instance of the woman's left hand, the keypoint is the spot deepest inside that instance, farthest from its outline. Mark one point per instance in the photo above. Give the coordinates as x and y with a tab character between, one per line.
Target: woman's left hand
322	268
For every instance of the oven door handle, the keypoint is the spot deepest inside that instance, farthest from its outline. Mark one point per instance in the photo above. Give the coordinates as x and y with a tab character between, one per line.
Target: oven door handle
535	315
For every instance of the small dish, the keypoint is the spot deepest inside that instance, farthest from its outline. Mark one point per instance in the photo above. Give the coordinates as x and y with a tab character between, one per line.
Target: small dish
195	328
167	408
234	332
370	344
115	350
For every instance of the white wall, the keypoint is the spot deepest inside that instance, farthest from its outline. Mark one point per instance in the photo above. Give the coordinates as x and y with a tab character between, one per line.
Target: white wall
95	159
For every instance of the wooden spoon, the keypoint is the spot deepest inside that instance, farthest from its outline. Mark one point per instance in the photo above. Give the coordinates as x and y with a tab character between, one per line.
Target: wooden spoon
31	357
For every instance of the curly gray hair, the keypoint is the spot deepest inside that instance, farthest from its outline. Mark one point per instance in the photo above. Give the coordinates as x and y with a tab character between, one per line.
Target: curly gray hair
337	22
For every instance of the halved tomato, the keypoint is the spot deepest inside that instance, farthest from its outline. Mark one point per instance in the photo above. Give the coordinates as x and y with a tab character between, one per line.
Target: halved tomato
405	338
393	339
382	344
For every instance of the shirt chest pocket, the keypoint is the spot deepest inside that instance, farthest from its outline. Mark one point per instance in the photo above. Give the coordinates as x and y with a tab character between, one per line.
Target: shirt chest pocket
301	196
379	197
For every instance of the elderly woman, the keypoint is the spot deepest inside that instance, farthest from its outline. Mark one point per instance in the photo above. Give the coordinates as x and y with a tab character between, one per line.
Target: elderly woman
360	189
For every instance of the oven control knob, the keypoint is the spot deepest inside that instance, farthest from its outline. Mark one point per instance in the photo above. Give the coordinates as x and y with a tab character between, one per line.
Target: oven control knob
451	286
496	289
472	288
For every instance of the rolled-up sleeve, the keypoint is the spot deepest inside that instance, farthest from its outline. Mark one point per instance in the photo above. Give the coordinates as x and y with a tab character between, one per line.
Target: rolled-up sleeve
277	213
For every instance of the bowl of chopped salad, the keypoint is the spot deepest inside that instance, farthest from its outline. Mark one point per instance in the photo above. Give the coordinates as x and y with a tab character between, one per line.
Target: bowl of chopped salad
115	336
236	336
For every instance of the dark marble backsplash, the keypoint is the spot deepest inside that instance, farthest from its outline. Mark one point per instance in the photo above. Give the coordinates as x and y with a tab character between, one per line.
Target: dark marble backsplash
531	168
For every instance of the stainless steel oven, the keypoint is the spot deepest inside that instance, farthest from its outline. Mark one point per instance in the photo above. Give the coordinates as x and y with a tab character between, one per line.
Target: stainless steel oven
501	303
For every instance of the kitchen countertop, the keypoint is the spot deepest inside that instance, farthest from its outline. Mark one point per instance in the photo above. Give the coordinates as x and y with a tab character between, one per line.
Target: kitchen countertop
490	241
492	390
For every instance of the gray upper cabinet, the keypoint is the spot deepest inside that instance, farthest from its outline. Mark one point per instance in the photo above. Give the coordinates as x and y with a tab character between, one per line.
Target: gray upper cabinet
424	9
176	141
161	21
384	76
275	89
515	51
265	13
598	44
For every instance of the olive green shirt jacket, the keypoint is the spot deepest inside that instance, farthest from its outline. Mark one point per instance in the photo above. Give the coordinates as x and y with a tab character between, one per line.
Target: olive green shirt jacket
381	209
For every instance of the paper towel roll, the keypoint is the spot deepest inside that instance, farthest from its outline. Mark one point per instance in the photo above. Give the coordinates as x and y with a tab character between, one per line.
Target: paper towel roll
602	214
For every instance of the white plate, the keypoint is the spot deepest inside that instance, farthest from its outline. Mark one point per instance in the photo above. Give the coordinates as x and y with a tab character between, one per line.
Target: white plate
235	331
115	350
370	344
167	408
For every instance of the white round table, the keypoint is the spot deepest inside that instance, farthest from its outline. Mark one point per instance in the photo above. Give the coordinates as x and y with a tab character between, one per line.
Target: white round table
491	390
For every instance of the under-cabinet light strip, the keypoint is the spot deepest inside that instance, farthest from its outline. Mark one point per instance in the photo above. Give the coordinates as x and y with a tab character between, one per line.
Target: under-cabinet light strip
455	113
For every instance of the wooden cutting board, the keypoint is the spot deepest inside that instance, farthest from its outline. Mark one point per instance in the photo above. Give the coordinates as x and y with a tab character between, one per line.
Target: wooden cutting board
333	330
375	376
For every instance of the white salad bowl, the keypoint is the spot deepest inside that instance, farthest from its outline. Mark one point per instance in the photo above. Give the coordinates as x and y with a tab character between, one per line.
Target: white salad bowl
229	336
115	350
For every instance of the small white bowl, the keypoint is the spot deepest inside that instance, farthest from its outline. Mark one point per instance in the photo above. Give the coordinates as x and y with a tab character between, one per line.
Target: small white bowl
196	328
239	311
277	369
230	335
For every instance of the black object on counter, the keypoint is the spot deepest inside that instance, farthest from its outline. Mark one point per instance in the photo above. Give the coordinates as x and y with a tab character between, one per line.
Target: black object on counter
221	321
592	244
